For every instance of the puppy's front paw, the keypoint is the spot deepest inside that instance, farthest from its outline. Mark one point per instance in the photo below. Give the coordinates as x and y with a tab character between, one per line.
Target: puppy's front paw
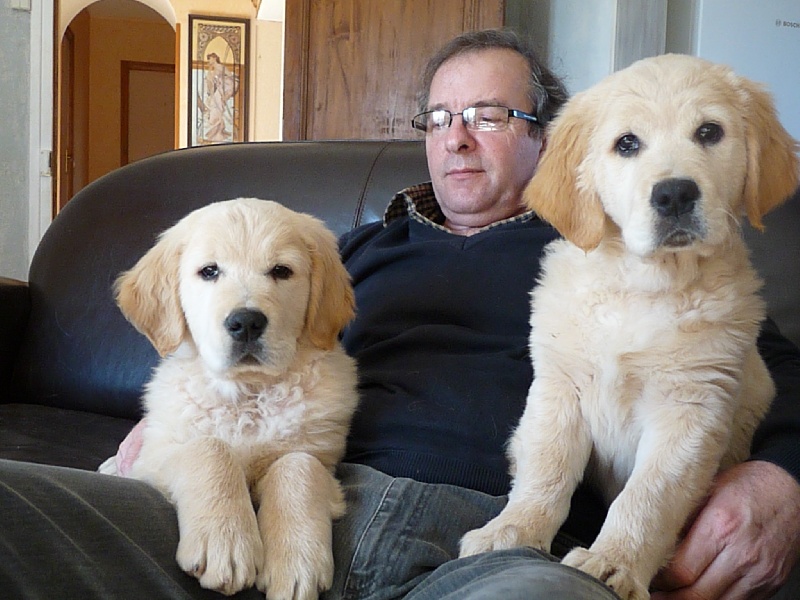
501	533
297	569
222	554
618	577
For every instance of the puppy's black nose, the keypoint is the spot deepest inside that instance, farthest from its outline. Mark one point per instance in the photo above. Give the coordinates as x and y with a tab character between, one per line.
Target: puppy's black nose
674	197
246	325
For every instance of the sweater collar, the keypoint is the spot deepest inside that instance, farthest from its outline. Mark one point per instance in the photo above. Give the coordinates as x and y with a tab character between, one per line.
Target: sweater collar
419	203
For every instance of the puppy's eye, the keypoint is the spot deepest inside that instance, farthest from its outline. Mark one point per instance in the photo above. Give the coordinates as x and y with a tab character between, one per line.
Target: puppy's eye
281	272
709	134
627	145
209	272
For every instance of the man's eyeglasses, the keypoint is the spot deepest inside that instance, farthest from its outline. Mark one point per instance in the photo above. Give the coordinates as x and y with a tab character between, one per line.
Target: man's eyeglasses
476	118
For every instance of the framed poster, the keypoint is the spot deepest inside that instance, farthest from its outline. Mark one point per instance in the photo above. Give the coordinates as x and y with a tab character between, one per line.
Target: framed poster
218	65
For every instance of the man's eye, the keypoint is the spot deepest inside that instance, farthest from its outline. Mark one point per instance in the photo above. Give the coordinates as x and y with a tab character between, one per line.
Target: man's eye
438	119
281	272
627	145
209	272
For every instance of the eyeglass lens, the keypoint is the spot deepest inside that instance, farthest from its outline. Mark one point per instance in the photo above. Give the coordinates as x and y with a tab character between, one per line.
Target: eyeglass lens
483	118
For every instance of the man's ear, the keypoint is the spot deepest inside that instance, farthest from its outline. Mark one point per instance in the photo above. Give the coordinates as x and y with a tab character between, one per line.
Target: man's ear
559	191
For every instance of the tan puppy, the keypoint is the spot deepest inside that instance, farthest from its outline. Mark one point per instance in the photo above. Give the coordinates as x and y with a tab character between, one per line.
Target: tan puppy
647	377
252	401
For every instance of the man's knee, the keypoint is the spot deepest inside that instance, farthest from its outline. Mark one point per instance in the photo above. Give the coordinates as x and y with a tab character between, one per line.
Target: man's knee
517	574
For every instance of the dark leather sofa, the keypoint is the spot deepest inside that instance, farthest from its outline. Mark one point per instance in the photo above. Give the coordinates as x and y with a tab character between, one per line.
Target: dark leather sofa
72	368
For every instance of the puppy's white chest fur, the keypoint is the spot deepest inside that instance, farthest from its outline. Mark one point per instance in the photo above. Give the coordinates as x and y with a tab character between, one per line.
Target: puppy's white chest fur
623	328
240	412
259	417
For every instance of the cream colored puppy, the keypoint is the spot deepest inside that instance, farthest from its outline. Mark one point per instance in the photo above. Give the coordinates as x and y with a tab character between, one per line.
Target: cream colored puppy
252	401
644	324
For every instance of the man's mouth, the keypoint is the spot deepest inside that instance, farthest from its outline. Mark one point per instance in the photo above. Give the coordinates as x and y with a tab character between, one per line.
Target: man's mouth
462	172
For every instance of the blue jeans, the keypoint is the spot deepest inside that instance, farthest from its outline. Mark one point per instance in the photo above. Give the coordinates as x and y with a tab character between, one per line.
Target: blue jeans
74	534
399	539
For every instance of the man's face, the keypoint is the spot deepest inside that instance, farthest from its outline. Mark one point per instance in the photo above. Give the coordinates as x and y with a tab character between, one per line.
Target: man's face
478	176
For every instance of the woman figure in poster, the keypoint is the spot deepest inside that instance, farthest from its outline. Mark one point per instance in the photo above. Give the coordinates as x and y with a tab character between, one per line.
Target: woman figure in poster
221	86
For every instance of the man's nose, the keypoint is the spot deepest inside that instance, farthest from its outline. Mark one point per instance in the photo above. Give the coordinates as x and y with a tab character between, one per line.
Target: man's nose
459	137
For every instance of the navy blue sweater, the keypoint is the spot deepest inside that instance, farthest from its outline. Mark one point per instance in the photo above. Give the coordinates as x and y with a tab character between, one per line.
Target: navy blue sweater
441	340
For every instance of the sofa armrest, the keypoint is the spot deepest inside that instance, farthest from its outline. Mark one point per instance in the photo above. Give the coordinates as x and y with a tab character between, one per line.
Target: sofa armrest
15	306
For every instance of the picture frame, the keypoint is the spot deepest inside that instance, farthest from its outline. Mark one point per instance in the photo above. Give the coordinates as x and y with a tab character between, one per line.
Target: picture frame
219	60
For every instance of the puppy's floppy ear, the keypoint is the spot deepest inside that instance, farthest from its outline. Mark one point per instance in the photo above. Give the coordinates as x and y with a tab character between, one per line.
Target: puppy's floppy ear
558	193
331	304
772	164
148	296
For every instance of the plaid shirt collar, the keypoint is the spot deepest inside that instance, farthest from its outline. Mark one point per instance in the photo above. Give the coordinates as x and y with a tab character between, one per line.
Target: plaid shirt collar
419	203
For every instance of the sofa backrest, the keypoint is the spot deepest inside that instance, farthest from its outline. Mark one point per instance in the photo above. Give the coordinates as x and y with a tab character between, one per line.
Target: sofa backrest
79	351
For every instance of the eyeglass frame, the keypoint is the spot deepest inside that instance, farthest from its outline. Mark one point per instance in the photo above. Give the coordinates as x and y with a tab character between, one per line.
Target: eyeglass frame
511	112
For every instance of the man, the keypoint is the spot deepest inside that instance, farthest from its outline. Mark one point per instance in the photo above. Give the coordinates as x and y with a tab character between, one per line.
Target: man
477	176
441	339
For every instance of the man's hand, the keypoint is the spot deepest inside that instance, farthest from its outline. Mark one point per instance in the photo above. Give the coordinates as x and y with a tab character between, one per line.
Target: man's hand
743	542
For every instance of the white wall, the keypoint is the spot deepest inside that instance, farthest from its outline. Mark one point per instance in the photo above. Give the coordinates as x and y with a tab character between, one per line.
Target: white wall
585	40
580	40
758	39
14	95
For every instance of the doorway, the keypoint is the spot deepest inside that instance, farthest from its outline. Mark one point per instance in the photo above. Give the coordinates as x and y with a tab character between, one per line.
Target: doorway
115	62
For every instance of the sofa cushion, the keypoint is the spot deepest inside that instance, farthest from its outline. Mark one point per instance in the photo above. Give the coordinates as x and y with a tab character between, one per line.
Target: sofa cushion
60	436
78	351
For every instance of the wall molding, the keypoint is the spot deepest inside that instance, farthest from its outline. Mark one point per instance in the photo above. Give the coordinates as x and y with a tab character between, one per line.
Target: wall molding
40	139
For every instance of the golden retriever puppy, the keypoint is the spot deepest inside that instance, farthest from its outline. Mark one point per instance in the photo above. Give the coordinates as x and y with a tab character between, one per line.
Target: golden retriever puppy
644	323
252	400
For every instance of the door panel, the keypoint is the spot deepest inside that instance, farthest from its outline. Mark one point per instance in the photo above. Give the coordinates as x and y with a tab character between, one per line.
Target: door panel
147	113
353	66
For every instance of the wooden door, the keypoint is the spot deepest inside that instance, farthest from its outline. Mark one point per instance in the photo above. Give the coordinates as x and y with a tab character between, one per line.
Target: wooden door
147	111
65	182
353	67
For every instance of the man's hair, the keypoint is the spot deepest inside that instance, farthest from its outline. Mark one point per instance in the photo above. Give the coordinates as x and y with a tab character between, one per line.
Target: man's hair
545	90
